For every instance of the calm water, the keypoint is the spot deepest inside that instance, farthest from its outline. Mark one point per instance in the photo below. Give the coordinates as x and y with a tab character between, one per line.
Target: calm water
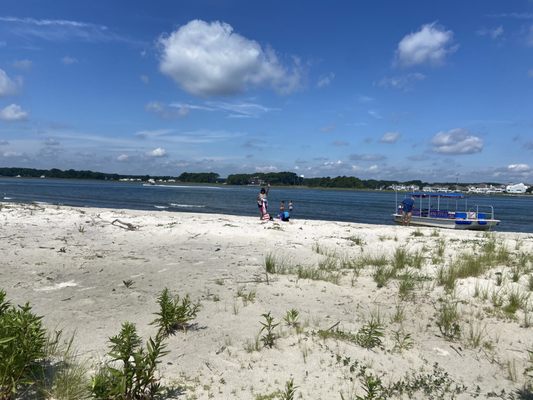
515	212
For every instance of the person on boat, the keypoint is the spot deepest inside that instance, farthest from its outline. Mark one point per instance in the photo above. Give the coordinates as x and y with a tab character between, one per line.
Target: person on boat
262	203
407	210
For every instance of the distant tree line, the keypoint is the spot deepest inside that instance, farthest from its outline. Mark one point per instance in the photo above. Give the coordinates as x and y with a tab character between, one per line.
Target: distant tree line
274	178
292	179
199	177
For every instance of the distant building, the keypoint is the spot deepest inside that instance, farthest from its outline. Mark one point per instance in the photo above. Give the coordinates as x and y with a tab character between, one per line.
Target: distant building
519	188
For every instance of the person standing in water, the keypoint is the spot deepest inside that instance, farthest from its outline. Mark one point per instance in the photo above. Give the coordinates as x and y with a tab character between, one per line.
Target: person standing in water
262	202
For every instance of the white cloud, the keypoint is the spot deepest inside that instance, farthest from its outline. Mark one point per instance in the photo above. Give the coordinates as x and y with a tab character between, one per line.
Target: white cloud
61	30
168	112
123	157
375	114
150	134
367	157
519	167
158	152
145	79
390	137
67	60
456	141
7	85
402	82
493	33
430	45
210	59
266	168
326	80
13	112
23	65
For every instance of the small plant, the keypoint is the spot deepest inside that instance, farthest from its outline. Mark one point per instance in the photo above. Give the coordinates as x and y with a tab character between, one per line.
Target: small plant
475	334
175	313
246	297
406	286
370	334
357	240
448	320
81	228
499	278
291	318
402	340
128	283
67	378
290	390
382	274
270	263
399	314
22	347
435	233
515	301
417	233
269	337
252	345
131	374
400	258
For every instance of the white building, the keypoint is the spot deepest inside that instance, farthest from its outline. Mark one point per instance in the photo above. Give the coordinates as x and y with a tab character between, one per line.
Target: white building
519	188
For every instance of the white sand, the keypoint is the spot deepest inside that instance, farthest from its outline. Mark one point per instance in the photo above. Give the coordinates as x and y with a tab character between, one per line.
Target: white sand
70	264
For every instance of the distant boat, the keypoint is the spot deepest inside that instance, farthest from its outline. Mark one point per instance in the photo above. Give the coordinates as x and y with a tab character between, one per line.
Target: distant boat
42	176
430	210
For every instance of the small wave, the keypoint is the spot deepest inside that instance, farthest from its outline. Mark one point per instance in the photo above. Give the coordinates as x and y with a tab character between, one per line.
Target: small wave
8	198
161	207
187	205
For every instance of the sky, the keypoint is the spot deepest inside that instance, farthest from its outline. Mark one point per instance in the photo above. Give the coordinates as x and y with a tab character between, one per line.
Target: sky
440	91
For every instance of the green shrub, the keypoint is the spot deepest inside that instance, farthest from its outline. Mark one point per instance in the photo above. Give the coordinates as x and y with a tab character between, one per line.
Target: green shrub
269	338
22	348
175	313
132	372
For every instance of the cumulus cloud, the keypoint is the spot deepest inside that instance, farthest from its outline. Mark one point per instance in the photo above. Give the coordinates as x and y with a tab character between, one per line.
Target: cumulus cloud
13	112
7	85
325	80
123	157
456	141
430	45
390	137
519	168
401	82
158	152
211	59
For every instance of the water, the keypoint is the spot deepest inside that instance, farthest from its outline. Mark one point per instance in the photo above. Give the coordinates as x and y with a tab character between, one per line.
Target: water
515	212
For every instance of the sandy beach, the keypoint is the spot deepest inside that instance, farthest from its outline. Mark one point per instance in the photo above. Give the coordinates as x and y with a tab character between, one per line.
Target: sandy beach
71	265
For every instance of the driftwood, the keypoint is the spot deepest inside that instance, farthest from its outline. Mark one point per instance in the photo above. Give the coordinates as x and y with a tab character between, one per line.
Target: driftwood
124	225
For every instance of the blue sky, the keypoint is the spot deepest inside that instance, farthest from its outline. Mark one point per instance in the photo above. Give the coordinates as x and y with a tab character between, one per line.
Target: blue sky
436	91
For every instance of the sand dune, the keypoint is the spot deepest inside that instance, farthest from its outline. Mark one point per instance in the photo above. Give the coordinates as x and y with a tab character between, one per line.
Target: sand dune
71	264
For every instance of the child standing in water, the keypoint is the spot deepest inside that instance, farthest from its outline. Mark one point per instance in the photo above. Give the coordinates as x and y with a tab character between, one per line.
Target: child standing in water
262	203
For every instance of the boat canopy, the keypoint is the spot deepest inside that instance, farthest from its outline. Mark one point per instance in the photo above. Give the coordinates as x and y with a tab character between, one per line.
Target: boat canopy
441	195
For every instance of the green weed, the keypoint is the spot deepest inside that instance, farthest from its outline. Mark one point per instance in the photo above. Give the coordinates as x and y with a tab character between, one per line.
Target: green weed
174	313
